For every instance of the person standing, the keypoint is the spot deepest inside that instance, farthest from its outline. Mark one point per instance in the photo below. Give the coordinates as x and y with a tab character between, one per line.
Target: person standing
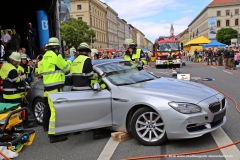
170	58
226	56
82	69
195	56
6	42
219	56
54	68
16	41
231	62
210	54
134	54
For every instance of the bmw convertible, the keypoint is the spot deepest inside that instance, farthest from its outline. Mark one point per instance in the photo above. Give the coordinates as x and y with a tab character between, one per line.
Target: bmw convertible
151	108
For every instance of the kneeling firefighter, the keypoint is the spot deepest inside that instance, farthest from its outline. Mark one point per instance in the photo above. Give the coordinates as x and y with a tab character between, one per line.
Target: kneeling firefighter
134	54
54	68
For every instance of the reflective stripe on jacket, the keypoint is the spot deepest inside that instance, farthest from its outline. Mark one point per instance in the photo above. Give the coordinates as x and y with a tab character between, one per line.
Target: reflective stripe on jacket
53	70
10	83
81	80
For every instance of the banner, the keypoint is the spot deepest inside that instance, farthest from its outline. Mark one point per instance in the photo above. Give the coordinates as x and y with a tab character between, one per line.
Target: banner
43	28
212	28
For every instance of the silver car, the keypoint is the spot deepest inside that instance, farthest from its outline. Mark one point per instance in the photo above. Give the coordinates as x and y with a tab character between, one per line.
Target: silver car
152	108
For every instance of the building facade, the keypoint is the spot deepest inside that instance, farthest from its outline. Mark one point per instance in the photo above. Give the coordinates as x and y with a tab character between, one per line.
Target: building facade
112	27
225	13
140	38
126	29
184	37
121	33
134	34
94	13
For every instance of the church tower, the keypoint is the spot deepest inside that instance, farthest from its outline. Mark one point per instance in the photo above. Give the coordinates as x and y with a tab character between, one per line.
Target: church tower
171	30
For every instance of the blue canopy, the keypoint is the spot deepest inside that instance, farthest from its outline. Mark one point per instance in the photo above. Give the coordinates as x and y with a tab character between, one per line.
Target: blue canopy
214	43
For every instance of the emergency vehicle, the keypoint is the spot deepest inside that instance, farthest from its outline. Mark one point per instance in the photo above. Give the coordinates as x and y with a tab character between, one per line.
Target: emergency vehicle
162	47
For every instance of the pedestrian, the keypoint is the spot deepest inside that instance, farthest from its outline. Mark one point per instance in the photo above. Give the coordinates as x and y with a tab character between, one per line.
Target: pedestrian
195	56
209	54
226	56
231	62
16	40
54	68
219	56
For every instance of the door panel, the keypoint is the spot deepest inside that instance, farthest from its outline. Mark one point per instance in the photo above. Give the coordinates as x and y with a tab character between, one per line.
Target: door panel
81	110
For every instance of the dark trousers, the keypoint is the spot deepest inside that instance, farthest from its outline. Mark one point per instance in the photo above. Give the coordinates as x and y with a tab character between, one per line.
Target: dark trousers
46	114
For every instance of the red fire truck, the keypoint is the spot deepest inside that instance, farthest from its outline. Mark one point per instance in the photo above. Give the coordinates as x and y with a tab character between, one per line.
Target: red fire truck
162	47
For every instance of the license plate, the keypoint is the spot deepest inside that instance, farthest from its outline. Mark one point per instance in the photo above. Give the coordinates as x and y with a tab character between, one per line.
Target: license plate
219	116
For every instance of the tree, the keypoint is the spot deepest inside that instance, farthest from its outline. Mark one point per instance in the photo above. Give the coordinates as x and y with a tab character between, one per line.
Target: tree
225	35
76	32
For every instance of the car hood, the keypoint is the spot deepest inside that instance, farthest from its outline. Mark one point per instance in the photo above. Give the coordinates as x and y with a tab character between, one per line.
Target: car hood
172	89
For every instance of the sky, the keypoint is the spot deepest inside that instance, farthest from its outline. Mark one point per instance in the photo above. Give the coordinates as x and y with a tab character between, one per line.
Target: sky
154	17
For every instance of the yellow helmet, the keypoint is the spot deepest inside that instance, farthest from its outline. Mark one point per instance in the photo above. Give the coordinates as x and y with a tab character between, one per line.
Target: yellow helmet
83	47
15	56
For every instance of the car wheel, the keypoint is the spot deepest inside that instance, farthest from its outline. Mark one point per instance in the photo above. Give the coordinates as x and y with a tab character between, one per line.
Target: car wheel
148	128
38	108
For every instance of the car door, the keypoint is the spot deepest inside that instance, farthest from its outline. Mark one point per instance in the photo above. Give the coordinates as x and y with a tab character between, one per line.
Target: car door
82	110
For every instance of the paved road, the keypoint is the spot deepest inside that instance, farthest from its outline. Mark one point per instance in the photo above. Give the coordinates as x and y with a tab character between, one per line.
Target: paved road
83	147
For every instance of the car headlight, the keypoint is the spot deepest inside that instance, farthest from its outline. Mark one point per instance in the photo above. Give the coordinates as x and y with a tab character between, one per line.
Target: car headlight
186	108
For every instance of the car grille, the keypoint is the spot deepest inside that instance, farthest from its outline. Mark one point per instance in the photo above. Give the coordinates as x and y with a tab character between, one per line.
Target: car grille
215	107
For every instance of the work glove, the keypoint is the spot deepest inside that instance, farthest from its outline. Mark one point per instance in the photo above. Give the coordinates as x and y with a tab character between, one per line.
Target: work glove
71	58
23	77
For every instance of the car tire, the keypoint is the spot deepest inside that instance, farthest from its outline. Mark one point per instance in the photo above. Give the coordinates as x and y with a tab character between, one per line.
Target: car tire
38	108
148	131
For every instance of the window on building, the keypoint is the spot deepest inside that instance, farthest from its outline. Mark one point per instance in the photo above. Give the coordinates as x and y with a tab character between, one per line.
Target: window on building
227	22
218	23
227	12
80	18
236	11
79	7
236	22
218	13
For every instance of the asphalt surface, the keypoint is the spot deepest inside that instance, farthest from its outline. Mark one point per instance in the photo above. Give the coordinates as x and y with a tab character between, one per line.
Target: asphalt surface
83	147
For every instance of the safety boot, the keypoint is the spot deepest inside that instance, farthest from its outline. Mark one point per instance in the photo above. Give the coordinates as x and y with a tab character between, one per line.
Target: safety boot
56	139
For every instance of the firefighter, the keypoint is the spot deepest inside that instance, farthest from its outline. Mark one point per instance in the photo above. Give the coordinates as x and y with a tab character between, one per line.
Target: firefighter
26	67
170	57
94	54
134	54
231	62
54	68
226	56
11	81
82	69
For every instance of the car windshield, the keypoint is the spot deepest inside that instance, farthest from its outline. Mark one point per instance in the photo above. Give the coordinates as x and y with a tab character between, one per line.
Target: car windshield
125	73
168	46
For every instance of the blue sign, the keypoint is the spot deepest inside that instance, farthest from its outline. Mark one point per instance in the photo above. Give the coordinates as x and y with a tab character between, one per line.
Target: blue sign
43	28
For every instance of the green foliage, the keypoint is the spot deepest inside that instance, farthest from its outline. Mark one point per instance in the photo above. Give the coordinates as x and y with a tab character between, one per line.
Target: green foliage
225	35
76	32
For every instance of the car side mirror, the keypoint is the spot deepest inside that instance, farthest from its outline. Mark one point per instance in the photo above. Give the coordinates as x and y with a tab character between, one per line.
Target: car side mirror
96	87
